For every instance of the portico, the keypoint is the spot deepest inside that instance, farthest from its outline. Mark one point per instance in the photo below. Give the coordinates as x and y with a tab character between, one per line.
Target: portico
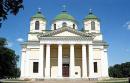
71	54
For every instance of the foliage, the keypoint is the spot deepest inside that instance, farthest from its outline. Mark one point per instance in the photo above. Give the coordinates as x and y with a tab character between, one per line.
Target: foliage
8	61
9	6
120	70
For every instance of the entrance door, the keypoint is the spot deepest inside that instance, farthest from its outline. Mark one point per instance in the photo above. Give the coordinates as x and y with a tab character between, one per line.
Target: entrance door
65	70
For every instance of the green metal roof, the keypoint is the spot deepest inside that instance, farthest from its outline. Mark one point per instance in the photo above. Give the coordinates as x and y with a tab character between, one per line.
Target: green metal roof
91	16
38	15
64	16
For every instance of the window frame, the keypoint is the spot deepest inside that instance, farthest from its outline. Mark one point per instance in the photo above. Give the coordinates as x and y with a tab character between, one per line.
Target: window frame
95	64
37	25
54	26
35	67
92	25
64	24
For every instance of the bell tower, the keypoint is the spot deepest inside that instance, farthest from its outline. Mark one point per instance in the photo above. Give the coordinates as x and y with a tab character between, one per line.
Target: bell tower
38	22
37	25
91	23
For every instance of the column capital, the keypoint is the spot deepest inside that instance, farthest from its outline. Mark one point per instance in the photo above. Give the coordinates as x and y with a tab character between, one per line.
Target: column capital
60	44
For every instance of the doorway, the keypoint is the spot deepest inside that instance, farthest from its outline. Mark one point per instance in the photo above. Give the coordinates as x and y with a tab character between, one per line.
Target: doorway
65	70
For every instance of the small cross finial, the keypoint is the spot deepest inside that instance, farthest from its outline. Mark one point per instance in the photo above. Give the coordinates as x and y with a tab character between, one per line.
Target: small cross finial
39	9
64	7
90	11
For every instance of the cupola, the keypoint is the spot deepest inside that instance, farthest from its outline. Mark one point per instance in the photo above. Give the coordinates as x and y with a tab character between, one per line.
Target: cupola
64	19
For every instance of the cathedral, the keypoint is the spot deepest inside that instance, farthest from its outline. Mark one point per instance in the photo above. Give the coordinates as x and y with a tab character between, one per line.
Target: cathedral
65	50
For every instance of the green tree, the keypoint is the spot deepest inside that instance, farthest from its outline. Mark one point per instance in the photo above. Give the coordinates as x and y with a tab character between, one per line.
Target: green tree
8	61
120	70
9	6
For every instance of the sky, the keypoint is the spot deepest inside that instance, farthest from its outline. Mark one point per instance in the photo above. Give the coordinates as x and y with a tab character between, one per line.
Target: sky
114	17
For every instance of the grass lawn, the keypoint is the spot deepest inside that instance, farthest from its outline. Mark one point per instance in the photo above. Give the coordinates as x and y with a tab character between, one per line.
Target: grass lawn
115	80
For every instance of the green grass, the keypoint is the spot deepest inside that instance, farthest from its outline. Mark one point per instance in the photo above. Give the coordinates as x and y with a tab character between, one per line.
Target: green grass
115	80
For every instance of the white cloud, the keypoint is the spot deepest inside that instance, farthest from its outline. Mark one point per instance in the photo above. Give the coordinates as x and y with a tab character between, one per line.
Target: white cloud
20	39
127	24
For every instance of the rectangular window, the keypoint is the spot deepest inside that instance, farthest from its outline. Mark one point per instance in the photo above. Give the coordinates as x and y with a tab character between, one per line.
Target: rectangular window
95	67
35	67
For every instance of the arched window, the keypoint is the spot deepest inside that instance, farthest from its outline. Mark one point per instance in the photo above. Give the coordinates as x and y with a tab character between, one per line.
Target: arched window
54	26
64	24
37	25
73	26
93	25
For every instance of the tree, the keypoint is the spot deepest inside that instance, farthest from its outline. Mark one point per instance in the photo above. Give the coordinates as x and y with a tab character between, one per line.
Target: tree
8	61
9	6
120	70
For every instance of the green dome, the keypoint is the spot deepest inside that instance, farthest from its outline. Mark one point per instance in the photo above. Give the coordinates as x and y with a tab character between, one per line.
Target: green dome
91	16
38	15
64	16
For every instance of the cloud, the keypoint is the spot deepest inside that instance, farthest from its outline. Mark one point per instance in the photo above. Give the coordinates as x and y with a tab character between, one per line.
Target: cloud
127	24
9	44
20	39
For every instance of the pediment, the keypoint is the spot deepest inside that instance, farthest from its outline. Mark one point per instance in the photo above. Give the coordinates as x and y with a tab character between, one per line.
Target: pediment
66	33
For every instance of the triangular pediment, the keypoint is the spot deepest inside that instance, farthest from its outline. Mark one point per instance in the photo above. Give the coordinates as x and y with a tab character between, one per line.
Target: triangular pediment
65	31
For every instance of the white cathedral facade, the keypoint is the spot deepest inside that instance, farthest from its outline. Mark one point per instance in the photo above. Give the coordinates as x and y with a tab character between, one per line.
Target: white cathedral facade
64	51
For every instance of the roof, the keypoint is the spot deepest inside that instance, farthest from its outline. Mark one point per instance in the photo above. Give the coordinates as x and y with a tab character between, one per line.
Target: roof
38	15
91	16
64	15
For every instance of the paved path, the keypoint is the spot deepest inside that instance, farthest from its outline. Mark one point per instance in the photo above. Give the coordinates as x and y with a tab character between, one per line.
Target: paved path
49	81
65	81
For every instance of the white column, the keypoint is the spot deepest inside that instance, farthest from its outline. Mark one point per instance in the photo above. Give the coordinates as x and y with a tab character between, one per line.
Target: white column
60	61
47	70
41	60
72	61
27	63
91	66
84	62
23	63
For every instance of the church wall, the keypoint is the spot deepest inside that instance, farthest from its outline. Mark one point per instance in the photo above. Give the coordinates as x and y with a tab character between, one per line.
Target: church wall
59	24
104	63
98	37
32	37
34	57
97	54
97	58
99	68
34	54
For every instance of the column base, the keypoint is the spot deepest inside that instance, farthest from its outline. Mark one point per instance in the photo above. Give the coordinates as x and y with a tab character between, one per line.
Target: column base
47	73
84	77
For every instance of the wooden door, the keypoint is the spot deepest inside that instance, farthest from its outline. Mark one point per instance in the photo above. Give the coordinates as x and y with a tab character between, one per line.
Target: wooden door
65	70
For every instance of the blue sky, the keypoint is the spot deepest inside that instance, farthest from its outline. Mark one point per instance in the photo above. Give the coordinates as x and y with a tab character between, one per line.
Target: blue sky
114	16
